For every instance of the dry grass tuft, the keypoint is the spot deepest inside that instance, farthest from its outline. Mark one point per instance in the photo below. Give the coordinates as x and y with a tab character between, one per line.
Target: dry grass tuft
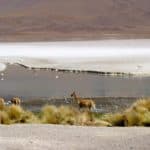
2	104
101	123
4	118
114	119
84	119
137	115
15	112
49	114
29	117
146	119
144	103
132	118
67	115
59	115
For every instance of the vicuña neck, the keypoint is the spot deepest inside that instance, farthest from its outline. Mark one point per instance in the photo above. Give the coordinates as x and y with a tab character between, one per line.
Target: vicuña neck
76	98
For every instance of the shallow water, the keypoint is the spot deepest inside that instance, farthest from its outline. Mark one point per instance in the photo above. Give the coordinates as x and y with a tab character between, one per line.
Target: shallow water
19	81
40	87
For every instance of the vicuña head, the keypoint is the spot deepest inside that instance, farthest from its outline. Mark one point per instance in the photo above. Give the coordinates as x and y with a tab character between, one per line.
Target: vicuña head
73	94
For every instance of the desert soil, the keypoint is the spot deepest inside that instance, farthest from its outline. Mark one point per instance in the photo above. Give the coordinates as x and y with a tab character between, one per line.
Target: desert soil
58	137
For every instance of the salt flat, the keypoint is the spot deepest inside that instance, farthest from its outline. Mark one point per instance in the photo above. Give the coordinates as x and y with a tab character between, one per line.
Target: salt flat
127	56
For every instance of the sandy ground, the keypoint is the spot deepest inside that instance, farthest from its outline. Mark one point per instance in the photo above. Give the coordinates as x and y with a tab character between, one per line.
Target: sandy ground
46	137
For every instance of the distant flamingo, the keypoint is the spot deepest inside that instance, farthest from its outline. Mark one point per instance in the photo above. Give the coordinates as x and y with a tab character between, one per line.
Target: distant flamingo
83	103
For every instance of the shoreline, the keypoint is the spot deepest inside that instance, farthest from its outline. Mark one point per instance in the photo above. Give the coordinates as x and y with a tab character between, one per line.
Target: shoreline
103	104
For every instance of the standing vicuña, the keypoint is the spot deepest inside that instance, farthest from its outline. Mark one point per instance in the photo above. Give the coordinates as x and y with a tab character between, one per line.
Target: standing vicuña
16	101
83	103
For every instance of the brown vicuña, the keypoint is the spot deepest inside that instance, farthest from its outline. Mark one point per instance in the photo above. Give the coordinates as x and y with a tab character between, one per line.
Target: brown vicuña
83	103
16	101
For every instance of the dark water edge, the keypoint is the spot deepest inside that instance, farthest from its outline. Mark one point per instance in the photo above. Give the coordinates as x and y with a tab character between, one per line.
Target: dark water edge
103	104
37	87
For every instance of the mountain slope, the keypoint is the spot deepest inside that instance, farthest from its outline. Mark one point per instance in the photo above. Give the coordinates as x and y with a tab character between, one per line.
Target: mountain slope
73	19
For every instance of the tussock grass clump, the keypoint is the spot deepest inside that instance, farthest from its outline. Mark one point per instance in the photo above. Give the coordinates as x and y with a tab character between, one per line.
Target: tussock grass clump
29	117
15	112
2	104
137	115
114	119
67	115
59	115
143	103
49	114
146	119
4	118
132	118
84	119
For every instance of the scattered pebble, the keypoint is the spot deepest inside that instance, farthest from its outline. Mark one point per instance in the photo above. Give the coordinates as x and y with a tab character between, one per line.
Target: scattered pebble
2	74
57	77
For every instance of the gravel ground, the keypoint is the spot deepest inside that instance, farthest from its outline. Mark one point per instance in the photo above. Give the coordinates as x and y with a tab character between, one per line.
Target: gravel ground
58	137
